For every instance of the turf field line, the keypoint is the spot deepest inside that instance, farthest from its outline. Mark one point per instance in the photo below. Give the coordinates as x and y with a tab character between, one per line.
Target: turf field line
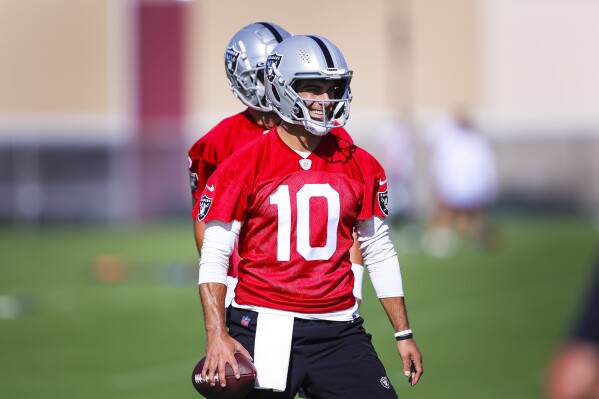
148	376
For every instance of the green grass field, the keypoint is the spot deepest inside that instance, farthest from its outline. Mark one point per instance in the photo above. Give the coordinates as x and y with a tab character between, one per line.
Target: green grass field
485	322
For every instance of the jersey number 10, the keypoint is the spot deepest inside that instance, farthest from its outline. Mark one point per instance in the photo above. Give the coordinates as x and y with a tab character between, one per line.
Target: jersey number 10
282	200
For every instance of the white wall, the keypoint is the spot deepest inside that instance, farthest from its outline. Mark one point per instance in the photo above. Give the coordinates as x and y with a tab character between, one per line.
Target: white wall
540	66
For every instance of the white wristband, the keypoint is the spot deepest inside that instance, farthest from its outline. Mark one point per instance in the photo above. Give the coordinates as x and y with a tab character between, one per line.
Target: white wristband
402	333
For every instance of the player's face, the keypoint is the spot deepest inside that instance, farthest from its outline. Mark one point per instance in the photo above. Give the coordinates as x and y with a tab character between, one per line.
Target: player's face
315	93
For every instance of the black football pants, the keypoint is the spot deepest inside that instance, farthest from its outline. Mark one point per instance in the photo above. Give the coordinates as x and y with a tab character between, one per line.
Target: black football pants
329	359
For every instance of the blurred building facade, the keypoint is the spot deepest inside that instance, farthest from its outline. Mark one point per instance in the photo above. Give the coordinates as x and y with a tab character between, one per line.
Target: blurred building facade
100	99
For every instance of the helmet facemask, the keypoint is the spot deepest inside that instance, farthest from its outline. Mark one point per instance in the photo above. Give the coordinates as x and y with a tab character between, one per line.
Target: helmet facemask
335	110
248	84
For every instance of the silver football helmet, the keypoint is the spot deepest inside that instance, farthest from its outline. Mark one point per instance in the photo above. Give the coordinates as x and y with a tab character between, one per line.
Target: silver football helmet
245	57
308	57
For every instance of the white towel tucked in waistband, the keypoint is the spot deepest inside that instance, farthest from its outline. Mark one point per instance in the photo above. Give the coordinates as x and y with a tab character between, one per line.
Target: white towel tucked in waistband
272	350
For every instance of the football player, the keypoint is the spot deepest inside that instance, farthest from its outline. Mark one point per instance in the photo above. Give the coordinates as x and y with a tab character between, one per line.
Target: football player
244	60
293	198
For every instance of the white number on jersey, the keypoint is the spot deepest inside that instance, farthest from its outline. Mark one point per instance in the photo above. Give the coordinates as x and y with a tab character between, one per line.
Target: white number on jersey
282	199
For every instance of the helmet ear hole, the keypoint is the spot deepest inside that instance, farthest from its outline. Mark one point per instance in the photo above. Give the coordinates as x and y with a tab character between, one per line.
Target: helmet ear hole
297	112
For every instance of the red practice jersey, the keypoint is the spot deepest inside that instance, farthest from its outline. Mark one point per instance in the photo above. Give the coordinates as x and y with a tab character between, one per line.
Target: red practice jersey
298	217
218	144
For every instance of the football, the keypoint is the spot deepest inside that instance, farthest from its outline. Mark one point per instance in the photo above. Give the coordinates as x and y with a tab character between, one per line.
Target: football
235	389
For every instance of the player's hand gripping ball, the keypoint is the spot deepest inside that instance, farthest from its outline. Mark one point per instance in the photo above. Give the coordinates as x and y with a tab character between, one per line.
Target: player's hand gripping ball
235	389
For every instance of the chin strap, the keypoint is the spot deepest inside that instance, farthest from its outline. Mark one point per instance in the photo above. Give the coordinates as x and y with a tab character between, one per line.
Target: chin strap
315	129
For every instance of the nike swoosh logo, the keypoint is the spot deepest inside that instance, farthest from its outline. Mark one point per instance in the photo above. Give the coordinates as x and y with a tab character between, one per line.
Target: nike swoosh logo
381	182
210	188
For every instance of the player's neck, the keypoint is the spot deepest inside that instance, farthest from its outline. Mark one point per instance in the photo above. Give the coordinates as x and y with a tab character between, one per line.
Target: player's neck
264	119
298	138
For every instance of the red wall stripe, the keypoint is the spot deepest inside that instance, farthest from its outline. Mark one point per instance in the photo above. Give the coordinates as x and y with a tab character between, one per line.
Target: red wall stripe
160	61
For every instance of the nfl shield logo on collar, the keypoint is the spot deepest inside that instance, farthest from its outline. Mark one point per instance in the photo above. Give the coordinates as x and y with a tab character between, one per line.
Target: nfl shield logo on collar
305	164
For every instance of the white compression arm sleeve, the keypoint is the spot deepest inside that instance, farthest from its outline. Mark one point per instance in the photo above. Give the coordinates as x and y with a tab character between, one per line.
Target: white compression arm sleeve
380	257
219	241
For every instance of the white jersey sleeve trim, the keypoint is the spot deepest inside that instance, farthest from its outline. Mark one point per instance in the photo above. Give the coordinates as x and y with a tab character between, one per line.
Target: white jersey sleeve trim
380	257
219	241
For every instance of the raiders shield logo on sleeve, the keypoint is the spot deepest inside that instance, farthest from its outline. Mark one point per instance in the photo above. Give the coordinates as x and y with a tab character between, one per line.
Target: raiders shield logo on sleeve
205	203
384	202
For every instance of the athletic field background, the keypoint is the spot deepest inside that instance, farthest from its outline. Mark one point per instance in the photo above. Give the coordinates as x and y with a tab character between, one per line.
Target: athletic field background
104	312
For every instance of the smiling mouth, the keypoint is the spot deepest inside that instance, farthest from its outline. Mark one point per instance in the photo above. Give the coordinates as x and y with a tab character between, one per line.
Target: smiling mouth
317	114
